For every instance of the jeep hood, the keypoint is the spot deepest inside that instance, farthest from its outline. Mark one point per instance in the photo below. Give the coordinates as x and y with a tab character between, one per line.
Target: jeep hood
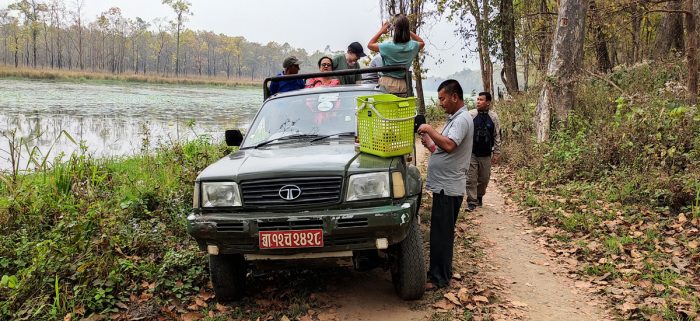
295	160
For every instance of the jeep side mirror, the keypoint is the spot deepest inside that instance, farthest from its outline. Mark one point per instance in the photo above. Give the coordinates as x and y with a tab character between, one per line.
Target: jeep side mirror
234	137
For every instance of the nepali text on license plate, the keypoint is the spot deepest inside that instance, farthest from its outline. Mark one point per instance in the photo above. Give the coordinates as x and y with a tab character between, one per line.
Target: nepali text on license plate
291	239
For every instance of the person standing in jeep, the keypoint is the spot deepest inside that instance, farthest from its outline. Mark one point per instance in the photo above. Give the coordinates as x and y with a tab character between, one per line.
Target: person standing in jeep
348	60
486	150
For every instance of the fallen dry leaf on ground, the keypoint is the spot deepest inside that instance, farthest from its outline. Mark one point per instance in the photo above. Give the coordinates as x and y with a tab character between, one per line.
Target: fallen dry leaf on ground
463	295
192	316
453	298
443	304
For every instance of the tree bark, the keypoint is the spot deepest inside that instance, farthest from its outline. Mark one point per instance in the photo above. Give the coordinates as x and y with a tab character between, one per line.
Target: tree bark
601	45
416	16
177	50
543	36
670	31
567	54
634	55
482	41
691	8
508	46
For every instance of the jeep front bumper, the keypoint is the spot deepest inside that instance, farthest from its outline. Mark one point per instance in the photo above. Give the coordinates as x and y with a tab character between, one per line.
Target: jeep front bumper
343	230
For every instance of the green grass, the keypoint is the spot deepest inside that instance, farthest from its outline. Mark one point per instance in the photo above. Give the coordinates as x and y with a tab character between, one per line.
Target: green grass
87	233
600	269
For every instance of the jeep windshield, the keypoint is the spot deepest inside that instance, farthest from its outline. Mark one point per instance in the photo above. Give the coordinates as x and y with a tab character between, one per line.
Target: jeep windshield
304	117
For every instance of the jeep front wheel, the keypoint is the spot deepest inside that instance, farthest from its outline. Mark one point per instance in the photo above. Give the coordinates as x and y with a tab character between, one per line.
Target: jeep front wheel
408	266
227	274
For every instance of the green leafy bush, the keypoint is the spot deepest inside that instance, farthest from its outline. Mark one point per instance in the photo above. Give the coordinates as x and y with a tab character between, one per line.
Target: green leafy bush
86	233
643	148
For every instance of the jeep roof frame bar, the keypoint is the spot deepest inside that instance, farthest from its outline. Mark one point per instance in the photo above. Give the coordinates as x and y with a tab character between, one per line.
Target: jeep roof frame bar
344	72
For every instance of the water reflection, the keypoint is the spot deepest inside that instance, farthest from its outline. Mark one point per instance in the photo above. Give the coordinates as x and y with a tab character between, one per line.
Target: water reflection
116	120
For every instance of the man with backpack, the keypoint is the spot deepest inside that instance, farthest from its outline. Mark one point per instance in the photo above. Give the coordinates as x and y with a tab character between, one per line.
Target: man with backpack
485	151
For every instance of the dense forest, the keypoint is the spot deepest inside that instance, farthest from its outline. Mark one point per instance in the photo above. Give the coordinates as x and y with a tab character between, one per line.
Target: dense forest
56	34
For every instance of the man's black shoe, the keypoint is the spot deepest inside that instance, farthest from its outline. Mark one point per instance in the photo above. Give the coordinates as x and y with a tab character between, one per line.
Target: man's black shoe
471	207
480	201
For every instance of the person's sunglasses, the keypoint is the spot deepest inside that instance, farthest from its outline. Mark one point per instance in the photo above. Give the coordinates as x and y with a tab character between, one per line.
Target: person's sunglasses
326	65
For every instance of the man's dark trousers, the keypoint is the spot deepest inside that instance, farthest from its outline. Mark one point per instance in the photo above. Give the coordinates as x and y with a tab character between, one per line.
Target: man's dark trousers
442	235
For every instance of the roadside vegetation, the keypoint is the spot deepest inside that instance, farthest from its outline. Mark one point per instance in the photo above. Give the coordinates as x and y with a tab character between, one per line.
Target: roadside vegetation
89	236
618	187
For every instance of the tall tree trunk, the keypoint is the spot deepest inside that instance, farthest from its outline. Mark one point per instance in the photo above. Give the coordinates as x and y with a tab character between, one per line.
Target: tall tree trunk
526	71
601	45
416	16
543	35
35	34
49	56
483	44
691	8
567	54
670	31
59	48
508	46
418	75
177	50
80	46
634	55
16	51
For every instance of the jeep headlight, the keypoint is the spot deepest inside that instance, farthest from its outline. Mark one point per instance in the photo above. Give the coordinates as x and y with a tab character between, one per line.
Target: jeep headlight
368	186
220	194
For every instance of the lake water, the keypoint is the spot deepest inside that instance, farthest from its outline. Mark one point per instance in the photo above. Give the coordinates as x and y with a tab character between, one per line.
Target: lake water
117	119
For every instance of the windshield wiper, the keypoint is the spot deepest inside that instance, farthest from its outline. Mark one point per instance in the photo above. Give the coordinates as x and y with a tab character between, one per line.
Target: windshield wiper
331	135
289	137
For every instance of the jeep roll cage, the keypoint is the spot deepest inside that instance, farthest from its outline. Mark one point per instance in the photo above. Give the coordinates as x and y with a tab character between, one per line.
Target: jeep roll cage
344	72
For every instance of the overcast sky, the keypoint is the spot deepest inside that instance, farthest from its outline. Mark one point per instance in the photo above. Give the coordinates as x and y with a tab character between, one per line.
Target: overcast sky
309	24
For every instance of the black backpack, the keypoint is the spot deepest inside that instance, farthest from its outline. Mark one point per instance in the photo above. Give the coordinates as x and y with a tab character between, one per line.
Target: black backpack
484	129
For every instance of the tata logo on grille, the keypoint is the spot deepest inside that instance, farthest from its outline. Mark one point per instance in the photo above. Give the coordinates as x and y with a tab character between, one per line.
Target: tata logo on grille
290	192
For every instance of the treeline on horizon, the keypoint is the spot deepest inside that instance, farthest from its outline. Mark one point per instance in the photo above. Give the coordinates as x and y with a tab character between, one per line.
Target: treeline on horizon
56	34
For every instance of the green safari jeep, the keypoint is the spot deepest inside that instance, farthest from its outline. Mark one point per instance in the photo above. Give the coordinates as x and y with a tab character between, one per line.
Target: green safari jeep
299	189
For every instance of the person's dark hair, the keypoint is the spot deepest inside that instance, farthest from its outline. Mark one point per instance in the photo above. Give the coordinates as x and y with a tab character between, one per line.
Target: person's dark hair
325	57
485	94
452	86
402	30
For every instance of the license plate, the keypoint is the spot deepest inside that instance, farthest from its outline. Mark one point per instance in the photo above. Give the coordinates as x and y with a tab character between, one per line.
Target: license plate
291	239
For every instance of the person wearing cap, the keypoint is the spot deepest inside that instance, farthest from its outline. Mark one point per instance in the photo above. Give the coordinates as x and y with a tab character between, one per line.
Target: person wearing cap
401	51
291	67
348	60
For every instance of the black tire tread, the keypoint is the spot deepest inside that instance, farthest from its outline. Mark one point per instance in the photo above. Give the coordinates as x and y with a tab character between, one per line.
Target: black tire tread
227	274
409	275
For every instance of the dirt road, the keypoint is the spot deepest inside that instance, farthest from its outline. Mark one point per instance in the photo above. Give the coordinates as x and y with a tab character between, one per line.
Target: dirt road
370	296
535	281
532	283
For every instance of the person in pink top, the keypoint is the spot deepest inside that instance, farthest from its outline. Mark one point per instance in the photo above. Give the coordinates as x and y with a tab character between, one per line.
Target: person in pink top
325	64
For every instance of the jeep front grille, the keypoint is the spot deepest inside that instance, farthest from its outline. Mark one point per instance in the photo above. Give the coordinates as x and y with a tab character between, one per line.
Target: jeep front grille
283	192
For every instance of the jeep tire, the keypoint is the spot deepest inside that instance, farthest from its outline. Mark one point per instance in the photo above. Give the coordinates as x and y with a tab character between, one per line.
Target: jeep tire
408	265
227	274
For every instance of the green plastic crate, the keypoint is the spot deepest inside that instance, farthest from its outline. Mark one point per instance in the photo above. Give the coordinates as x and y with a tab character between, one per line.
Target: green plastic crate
385	124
